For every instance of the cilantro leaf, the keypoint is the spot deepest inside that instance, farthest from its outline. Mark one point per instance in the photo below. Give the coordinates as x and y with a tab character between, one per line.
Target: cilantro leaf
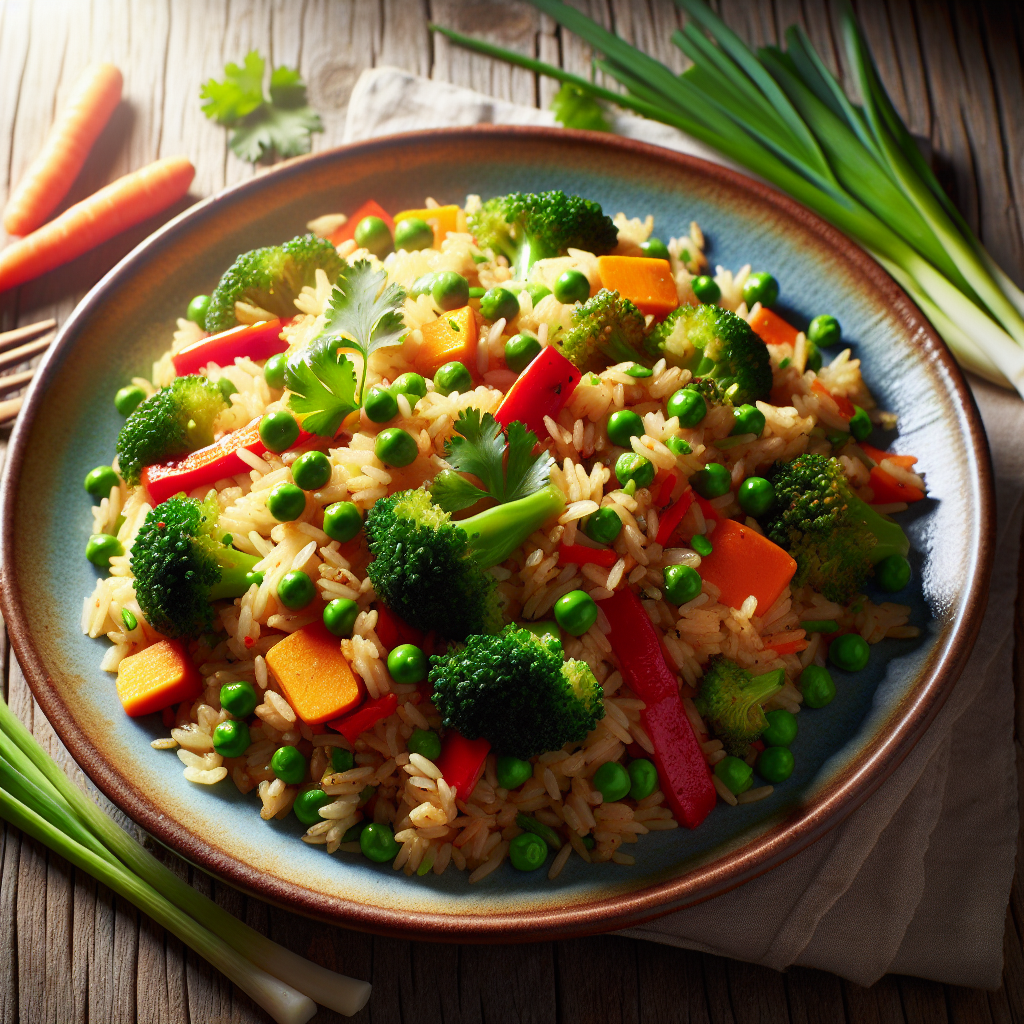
271	129
574	107
524	471
480	450
323	386
239	94
453	492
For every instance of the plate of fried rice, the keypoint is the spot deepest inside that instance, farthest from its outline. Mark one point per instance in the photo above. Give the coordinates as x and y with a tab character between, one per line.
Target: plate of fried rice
494	532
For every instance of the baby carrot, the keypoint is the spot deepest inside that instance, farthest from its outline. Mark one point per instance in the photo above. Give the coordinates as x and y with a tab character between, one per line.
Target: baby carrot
106	213
48	178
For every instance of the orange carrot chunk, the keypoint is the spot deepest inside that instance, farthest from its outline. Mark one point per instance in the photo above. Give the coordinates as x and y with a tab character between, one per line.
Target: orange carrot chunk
772	329
888	489
743	562
314	675
441	218
93	99
157	678
645	282
451	336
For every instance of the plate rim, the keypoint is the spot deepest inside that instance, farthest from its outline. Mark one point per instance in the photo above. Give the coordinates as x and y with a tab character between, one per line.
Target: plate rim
797	831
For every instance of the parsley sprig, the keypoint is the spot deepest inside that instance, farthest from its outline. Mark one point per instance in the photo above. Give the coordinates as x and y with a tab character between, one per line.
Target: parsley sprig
281	122
503	461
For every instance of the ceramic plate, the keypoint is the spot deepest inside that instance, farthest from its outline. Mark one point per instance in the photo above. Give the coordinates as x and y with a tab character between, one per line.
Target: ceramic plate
69	425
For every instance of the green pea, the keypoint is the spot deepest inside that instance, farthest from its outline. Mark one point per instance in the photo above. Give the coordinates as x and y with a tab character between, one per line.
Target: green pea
760	287
340	616
279	430
307	805
612	780
892	573
654	249
632	467
623	425
342	521
226	388
424	742
380	404
288	765
100	481
239	699
575	612
286	503
412	385
253	576
231	738
422	285
701	545
643	778
747	419
407	664
499	304
450	290
296	590
273	371
812	359
849	652
512	772
521	350
689	406
572	286
682	583
603	526
101	548
476	292
527	852
127	399
775	764
373	234
452	377
412	234
311	470
737	775
817	686
129	620
197	308
860	424
677	446
782	728
706	289
377	842
536	291
342	760
824	330
755	495
395	447
712	481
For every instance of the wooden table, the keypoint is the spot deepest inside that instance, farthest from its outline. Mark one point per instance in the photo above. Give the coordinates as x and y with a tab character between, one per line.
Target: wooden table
69	951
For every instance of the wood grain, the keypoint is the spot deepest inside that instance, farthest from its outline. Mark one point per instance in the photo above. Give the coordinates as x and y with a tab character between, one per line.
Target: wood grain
72	952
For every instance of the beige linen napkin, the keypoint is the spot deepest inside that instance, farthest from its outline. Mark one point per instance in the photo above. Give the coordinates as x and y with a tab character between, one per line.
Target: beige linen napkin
916	881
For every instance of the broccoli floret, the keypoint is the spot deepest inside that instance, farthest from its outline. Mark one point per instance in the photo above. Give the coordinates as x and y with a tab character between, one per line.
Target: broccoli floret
712	392
525	228
714	342
430	570
176	420
730	699
272	278
516	691
835	537
181	563
606	329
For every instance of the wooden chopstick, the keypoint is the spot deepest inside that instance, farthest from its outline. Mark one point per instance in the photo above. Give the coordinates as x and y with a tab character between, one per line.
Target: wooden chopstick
15	380
23	352
10	408
9	338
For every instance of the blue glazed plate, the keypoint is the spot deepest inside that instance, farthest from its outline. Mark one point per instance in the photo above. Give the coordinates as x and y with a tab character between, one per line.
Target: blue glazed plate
843	751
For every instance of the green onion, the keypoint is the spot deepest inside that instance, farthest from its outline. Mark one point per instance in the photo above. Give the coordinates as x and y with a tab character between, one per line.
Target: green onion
37	797
538	828
782	114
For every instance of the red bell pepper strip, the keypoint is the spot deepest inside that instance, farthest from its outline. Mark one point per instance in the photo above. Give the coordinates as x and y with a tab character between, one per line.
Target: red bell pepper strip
888	489
392	631
665	491
683	772
348	229
255	341
542	390
710	512
366	716
674	516
580	554
462	762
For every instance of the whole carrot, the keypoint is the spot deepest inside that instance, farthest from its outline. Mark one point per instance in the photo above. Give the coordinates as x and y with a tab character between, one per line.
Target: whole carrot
48	178
85	225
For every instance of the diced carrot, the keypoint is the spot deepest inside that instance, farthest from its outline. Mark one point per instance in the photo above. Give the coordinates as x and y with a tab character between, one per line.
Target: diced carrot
646	282
156	678
368	209
315	676
788	647
442	218
743	562
772	329
451	336
888	489
844	405
878	456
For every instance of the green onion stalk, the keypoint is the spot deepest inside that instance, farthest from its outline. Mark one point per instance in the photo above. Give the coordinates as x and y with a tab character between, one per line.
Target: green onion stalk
783	114
37	797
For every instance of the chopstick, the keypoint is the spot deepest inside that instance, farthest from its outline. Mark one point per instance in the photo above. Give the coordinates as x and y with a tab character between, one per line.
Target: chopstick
10	408
11	352
23	352
9	338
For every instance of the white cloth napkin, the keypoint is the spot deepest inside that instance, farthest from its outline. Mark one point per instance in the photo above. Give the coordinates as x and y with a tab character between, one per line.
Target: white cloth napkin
916	881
